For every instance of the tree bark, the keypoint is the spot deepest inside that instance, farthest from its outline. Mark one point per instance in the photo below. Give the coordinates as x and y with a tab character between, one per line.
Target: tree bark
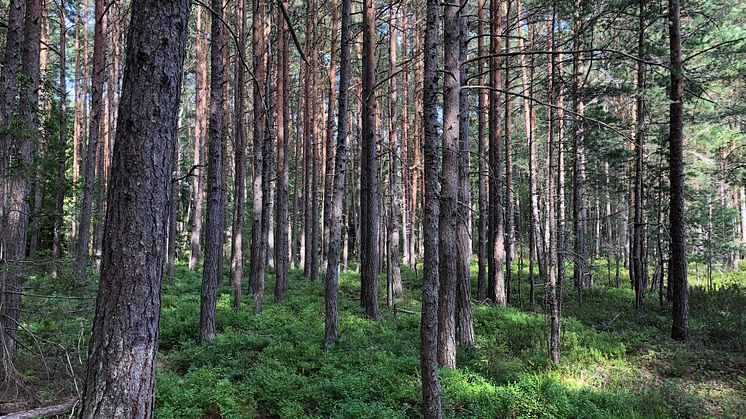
212	270
482	147
200	130
59	200
94	132
20	149
464	327
496	281
331	281
369	170
394	258
637	266
677	270
431	282
135	233
283	168
449	187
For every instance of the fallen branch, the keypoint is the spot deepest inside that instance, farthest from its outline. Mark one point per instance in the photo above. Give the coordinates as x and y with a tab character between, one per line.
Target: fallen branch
43	411
401	310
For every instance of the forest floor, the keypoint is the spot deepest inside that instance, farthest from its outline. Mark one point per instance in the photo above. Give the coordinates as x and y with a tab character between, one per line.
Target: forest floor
616	361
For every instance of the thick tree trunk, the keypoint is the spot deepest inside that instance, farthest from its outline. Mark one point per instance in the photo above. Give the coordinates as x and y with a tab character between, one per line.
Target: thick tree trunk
369	170
431	214
449	188
94	134
21	152
677	270
212	270
135	233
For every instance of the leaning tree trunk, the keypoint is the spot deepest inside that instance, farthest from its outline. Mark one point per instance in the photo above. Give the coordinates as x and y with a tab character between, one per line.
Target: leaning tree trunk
125	327
369	170
677	268
431	282
213	268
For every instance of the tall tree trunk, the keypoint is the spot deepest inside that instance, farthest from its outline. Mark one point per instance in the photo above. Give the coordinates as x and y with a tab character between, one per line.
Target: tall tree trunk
239	141
431	214
331	281
677	270
94	133
449	187
369	169
394	270
200	130
212	270
554	190
581	270
637	271
283	168
509	201
20	149
496	281
59	200
259	46
482	148
129	289
329	152
464	327
536	244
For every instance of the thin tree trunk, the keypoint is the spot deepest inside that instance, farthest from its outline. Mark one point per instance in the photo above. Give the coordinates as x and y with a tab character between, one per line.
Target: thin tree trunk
239	141
637	241
94	132
212	270
59	200
394	270
464	326
509	201
482	148
329	160
331	281
283	168
138	201
496	282
200	130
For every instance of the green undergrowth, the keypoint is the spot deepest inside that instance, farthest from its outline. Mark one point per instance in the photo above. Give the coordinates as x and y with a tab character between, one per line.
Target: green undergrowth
616	361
